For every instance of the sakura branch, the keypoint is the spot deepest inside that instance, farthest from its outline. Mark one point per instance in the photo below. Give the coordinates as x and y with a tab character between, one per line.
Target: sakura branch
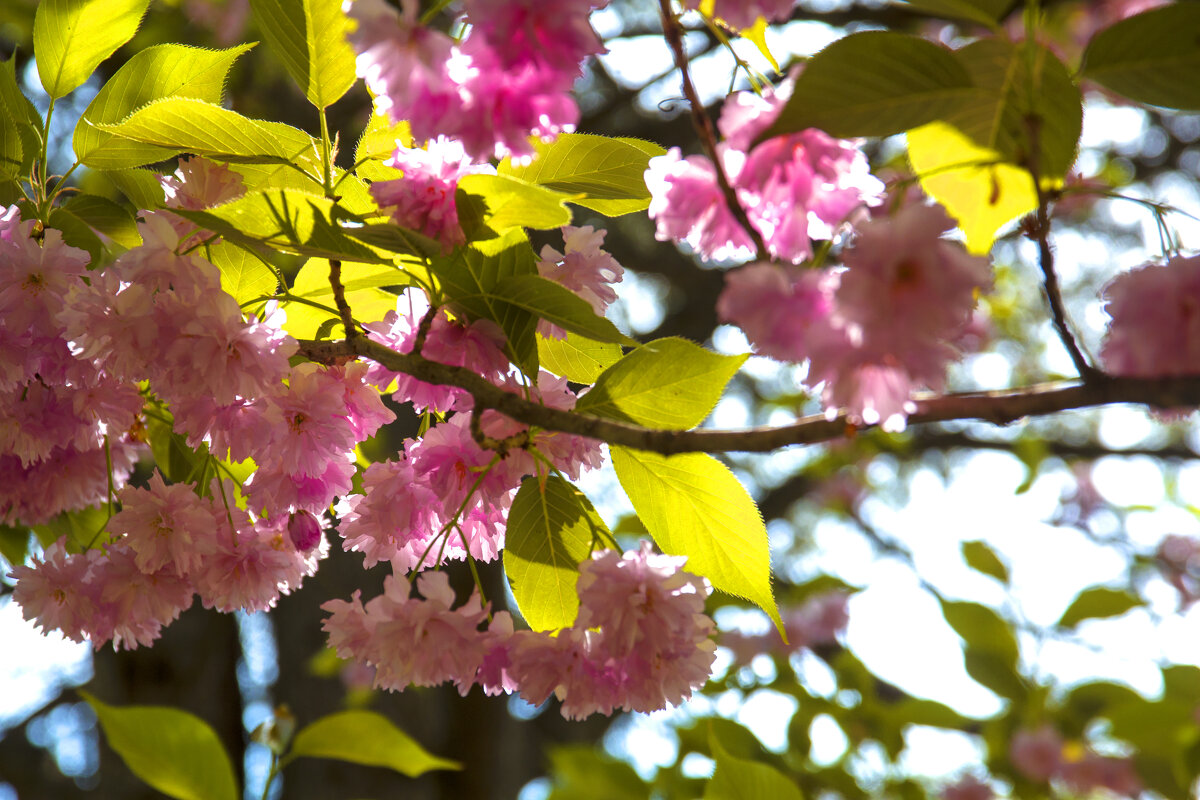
999	407
704	128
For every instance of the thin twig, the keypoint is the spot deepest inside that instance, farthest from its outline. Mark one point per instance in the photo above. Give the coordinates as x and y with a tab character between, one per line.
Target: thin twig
339	298
999	407
706	131
1058	312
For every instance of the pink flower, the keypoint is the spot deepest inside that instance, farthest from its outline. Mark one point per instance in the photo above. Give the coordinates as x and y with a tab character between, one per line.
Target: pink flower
687	205
792	188
455	466
1155	328
348	627
502	107
199	183
35	279
1037	754
165	527
904	300
66	479
54	592
404	65
526	34
422	642
1093	772
423	200
477	345
141	603
273	487
777	306
393	519
583	268
253	564
968	787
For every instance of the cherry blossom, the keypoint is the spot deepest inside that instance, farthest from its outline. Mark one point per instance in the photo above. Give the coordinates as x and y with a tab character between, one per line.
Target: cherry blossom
1155	327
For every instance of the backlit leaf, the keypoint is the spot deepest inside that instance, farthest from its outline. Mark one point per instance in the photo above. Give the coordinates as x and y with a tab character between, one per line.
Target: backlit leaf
874	83
309	36
559	305
694	506
1152	57
1099	602
668	383
551	529
369	738
576	358
173	751
72	37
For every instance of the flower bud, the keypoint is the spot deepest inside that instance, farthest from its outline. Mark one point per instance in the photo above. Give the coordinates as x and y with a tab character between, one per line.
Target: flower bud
304	530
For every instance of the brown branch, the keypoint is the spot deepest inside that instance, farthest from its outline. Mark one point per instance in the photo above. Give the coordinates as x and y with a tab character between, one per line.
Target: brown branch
1058	312
705	129
339	298
999	407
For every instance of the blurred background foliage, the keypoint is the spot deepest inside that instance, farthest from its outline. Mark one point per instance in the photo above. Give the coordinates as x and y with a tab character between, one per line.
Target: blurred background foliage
996	579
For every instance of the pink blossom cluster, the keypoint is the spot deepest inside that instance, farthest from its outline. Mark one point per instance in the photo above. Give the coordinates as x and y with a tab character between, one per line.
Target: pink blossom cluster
640	641
584	268
1039	755
170	544
476	345
423	199
1179	562
449	496
507	81
817	621
968	787
1155	327
793	188
64	417
873	332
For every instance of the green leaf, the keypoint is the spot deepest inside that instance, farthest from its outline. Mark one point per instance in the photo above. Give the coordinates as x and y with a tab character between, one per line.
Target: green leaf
469	277
72	37
694	506
379	138
83	527
165	70
76	233
985	12
982	558
981	627
1151	58
173	751
14	544
140	186
364	294
514	203
977	190
187	125
551	529
668	383
576	358
17	111
580	772
368	738
309	36
12	149
288	220
243	274
106	217
602	173
395	239
178	461
1026	108
739	779
990	653
874	83
1099	602
557	304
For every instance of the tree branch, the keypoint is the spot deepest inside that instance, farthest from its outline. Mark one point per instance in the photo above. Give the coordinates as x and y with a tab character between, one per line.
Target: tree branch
999	407
704	127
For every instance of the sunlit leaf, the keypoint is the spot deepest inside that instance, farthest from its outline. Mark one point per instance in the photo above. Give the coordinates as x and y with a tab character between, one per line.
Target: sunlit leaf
369	738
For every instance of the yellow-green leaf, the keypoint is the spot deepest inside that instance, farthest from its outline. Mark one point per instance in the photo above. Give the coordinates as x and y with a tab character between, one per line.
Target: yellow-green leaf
978	190
551	529
309	36
72	37
369	738
694	506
